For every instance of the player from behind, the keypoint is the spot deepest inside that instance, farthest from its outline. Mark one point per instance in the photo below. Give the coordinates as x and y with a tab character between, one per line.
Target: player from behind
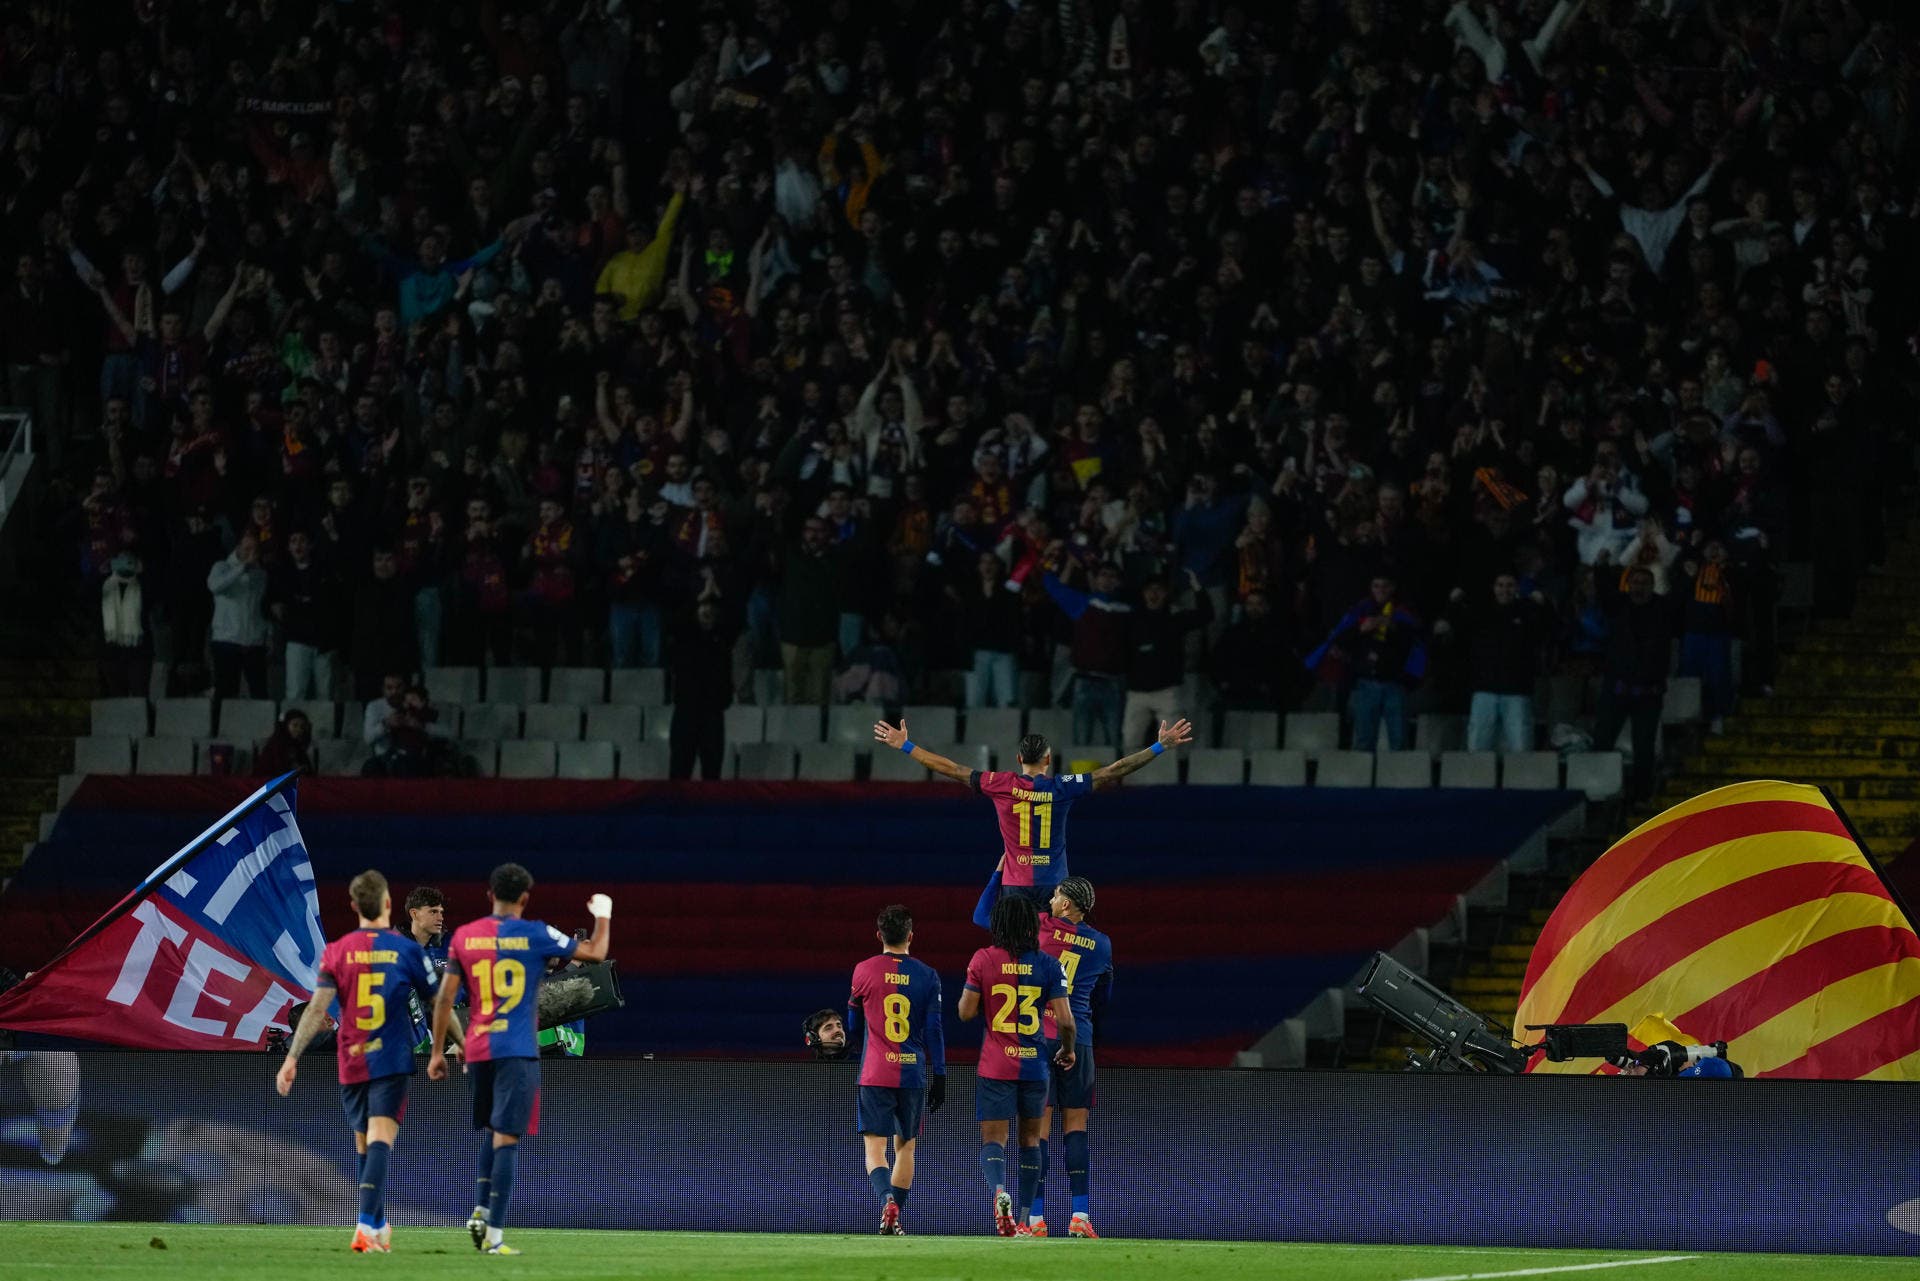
501	959
903	1067
373	970
1032	803
1017	982
1086	962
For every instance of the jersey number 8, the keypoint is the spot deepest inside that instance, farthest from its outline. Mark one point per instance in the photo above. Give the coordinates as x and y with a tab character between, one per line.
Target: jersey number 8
1027	998
897	1008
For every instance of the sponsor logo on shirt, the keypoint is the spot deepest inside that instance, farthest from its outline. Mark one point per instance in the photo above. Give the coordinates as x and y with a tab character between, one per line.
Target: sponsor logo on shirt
368	1047
1021	1051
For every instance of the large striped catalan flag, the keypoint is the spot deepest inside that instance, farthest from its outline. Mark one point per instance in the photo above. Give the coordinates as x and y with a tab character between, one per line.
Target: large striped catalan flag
1747	915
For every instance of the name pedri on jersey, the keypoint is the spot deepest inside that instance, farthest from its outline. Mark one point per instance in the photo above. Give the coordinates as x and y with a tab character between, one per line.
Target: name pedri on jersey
1014	991
375	972
501	960
1033	821
898	1002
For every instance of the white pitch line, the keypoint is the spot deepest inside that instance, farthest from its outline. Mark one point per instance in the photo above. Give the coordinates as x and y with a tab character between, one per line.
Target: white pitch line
1570	1267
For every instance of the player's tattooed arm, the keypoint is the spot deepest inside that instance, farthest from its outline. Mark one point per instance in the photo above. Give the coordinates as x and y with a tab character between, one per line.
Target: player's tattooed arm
895	737
312	1022
1170	736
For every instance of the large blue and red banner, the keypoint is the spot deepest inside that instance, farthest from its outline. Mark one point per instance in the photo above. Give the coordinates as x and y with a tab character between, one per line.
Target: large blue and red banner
206	952
745	906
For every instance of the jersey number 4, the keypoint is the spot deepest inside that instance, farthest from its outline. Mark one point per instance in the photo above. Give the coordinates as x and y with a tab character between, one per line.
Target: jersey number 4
503	980
897	1010
1028	1001
1028	812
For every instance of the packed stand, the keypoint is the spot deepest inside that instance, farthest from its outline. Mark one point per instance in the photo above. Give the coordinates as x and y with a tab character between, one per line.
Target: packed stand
1313	354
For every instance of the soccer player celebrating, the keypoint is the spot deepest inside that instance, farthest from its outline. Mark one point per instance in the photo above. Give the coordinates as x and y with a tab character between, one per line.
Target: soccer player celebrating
904	1064
502	959
373	970
1086	962
1019	980
1032	804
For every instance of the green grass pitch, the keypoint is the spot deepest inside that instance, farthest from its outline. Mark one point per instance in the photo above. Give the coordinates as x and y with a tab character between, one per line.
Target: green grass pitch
132	1250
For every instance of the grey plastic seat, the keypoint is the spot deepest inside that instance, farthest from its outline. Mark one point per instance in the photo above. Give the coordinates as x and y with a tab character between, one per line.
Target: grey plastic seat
1250	731
125	717
1344	769
583	685
1313	732
163	755
103	754
767	762
1413	770
528	758
591	761
1469	769
646	686
1218	766
1530	771
556	722
1282	767
182	718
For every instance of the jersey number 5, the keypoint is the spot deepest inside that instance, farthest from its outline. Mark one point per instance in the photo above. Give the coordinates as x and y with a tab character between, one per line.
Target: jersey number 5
897	1008
1027	998
367	1000
503	979
1029	811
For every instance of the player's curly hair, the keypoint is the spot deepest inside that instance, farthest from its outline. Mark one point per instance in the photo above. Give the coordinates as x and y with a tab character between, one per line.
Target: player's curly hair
1015	924
1034	748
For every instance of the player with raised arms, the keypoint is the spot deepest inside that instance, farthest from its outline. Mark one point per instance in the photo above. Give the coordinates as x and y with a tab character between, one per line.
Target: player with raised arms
1032	804
1086	962
373	969
903	1066
1018	981
502	959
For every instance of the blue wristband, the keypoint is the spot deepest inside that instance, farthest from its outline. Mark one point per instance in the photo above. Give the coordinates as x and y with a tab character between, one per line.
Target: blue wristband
1158	747
906	745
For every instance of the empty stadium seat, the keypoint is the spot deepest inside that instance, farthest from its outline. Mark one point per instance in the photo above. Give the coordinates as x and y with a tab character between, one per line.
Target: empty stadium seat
1468	769
643	761
169	755
452	684
1282	767
1599	774
1344	769
1249	731
659	725
583	685
646	686
1403	769
1312	732
586	760
490	721
1080	758
768	762
343	757
1436	732
852	725
931	724
556	722
247	720
1054	723
324	717
613	723
827	763
1218	766
528	758
746	724
896	767
103	754
485	755
798	726
182	718
514	685
124	717
997	725
1530	771
1158	773
1682	705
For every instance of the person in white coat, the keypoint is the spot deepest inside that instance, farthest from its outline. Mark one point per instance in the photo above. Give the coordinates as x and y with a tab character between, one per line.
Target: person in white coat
239	587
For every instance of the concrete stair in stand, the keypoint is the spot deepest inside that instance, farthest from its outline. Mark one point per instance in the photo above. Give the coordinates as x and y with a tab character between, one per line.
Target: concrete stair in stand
47	679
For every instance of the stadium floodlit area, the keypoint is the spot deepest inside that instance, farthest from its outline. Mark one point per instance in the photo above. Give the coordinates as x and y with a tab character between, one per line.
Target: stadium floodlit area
133	1250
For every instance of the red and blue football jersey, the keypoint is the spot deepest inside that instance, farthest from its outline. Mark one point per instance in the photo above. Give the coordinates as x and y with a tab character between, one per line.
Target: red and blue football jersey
1033	821
501	960
375	972
1014	991
897	1000
1085	956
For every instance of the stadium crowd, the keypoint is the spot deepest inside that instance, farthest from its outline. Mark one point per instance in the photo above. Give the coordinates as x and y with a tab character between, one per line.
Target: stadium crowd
1328	351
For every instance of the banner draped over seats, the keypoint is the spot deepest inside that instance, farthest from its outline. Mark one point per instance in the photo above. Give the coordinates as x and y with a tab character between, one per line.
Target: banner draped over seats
744	906
1747	915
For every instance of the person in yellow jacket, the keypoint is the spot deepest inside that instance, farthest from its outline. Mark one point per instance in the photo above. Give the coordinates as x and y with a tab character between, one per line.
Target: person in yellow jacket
638	273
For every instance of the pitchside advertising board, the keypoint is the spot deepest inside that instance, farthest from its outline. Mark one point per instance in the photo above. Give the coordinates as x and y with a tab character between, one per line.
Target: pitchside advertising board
207	953
1613	1163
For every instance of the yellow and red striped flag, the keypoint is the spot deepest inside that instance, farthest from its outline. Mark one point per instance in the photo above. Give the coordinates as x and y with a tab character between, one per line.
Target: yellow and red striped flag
1747	915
